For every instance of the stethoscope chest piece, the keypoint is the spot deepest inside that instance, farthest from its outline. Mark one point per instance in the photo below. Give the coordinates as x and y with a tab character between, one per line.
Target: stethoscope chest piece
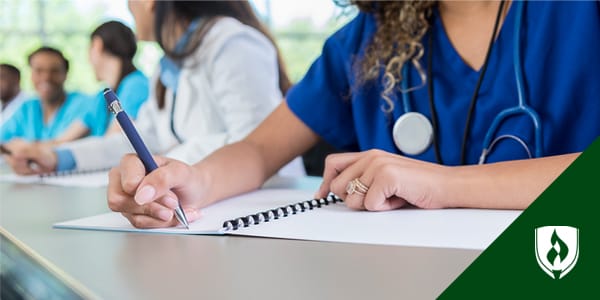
412	133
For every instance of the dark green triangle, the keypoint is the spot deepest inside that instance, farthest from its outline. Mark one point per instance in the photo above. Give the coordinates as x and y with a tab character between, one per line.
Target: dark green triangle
508	269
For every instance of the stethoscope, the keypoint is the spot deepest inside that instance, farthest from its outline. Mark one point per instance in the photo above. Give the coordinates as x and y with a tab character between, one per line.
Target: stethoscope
413	133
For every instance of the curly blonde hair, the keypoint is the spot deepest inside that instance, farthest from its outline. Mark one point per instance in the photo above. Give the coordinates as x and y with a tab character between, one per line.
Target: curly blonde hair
400	27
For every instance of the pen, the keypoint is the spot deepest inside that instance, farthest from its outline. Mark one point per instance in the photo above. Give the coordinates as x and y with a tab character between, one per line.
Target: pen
136	141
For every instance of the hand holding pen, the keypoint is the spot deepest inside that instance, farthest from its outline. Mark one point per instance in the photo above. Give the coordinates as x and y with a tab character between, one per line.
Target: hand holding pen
137	143
27	158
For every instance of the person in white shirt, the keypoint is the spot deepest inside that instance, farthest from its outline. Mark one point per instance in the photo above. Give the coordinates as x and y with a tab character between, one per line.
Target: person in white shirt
11	95
220	77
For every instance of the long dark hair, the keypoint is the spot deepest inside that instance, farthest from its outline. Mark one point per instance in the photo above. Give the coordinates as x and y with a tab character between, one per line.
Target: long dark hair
118	40
166	12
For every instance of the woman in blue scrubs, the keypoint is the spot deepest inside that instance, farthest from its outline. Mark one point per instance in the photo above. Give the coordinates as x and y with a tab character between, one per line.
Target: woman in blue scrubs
453	68
112	48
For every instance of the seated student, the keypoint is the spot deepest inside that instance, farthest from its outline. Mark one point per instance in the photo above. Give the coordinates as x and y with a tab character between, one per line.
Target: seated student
352	97
113	46
11	96
48	116
220	77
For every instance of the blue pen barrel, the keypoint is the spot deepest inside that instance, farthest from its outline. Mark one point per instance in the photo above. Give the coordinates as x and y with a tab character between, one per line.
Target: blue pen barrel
130	131
136	142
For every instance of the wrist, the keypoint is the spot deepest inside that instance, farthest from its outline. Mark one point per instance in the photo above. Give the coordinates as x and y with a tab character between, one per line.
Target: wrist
202	181
460	184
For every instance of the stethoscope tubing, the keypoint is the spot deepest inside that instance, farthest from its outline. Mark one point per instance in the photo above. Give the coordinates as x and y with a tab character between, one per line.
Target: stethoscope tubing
521	108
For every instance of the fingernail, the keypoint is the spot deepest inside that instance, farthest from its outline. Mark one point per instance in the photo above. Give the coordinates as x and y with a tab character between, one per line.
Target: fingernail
145	195
171	202
165	215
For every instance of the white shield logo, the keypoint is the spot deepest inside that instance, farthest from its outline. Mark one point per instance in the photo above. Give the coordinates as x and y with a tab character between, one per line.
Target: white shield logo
556	249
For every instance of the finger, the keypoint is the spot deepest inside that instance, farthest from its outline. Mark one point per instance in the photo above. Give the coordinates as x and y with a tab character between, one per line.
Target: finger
339	184
118	199
144	221
132	172
356	200
32	159
383	190
147	221
153	209
43	157
160	182
334	165
22	167
121	201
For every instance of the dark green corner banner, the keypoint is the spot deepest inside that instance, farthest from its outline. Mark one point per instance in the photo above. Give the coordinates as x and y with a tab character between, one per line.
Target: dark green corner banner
552	251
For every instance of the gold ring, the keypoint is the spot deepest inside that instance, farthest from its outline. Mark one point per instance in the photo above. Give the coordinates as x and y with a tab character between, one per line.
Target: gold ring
356	187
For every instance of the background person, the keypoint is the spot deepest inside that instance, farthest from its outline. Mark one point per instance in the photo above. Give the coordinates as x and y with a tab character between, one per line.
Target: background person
49	115
11	96
112	48
220	77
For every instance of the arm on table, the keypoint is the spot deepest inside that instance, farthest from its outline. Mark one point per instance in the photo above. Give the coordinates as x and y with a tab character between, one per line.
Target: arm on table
147	200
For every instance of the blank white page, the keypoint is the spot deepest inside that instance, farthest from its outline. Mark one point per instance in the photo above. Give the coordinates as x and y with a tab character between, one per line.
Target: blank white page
212	217
448	228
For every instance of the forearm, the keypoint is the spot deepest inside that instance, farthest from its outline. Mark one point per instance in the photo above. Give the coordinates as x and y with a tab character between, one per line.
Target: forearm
245	165
505	185
76	131
98	152
233	169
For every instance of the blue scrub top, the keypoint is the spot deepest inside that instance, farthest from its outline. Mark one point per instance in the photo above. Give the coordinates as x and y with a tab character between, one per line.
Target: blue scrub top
132	92
28	122
560	46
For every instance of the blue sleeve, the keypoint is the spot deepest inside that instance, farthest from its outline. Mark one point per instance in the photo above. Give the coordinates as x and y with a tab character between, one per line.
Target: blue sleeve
96	116
133	92
65	161
322	98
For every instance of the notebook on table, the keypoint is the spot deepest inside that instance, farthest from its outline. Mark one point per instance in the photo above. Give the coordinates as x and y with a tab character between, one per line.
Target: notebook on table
74	178
294	214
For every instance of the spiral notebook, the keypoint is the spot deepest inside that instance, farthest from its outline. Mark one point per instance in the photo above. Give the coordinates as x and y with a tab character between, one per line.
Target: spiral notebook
293	214
73	178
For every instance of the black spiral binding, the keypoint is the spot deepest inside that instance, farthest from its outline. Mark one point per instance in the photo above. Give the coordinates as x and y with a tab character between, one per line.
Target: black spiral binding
280	212
72	172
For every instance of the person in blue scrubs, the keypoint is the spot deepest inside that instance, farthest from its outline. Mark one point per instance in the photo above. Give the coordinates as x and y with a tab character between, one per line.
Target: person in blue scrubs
48	116
220	77
352	97
112	48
